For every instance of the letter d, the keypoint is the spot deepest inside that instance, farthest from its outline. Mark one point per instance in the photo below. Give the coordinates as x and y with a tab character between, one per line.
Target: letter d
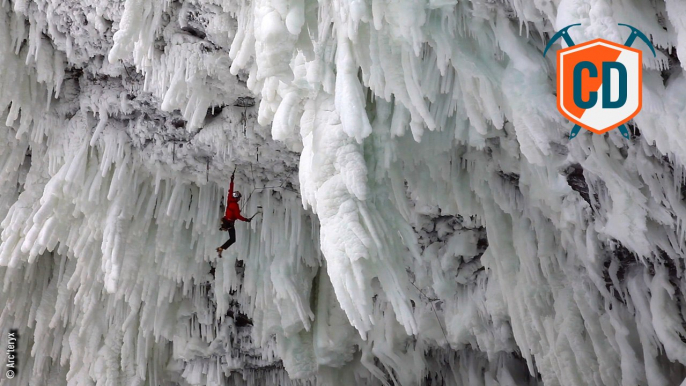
608	103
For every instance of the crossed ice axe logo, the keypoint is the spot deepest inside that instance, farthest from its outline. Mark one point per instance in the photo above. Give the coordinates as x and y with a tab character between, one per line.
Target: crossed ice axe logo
580	82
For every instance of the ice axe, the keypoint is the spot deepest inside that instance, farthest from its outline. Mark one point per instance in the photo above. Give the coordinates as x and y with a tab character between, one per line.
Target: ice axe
258	212
637	34
634	34
561	34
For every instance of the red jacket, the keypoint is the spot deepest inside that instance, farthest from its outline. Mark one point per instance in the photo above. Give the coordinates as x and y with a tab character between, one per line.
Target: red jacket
233	211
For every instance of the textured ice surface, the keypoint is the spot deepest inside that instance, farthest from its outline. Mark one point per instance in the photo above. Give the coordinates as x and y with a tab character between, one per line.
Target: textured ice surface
425	220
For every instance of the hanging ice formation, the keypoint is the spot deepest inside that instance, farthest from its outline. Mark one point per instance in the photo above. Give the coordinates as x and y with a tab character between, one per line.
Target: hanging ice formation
430	223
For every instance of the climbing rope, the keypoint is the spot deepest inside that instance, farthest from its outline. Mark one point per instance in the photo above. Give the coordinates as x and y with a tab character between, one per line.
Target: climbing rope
431	301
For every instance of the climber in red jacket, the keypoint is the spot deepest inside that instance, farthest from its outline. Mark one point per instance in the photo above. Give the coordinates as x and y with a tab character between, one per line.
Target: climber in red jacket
233	213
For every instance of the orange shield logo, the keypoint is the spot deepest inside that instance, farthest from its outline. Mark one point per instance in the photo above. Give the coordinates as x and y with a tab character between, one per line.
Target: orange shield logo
599	83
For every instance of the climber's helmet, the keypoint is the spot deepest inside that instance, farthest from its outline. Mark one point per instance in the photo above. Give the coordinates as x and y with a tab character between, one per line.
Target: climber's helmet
237	195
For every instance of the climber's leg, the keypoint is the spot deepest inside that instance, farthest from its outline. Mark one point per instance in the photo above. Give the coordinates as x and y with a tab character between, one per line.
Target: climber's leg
232	239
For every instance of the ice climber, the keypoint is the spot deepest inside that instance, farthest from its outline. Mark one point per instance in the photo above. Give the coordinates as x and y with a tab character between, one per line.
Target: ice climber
233	213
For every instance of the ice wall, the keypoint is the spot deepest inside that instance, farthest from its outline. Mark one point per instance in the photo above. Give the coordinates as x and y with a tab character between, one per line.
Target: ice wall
425	220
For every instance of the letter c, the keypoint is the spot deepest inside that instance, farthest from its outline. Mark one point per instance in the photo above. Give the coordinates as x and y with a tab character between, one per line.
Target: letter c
592	96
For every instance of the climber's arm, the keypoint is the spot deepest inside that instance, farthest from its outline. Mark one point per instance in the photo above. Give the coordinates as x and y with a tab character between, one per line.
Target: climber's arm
230	187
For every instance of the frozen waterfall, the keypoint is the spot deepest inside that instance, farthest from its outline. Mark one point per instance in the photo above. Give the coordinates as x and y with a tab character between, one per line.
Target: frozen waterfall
424	218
